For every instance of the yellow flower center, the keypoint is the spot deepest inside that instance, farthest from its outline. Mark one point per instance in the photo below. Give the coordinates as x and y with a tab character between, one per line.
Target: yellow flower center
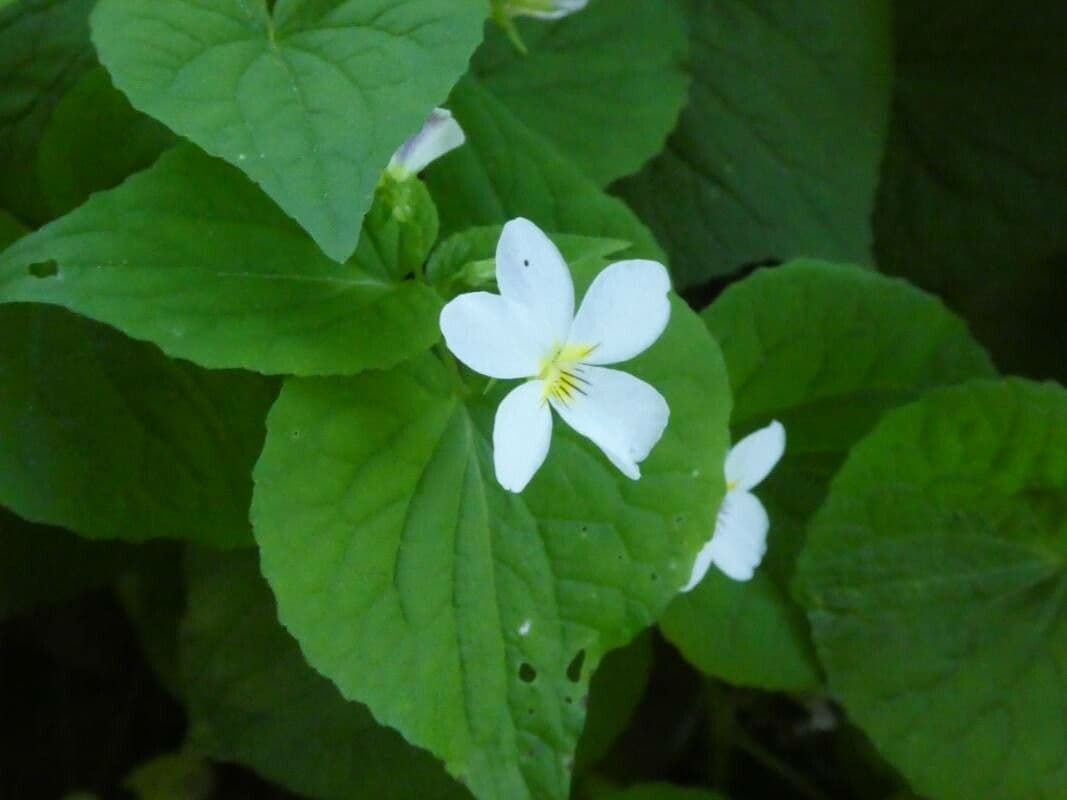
561	370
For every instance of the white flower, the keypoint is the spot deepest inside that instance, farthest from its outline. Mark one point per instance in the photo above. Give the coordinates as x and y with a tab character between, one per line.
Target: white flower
543	9
740	539
440	134
530	330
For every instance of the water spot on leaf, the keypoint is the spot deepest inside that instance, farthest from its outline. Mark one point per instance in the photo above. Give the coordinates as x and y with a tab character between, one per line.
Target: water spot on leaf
574	669
527	674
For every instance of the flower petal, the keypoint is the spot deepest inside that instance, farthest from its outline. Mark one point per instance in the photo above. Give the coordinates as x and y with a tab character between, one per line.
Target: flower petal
522	432
740	540
544	9
751	459
624	312
491	335
439	135
623	415
531	271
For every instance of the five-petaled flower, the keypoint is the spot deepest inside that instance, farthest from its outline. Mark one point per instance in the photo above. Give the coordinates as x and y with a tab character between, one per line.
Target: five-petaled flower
530	331
439	135
739	541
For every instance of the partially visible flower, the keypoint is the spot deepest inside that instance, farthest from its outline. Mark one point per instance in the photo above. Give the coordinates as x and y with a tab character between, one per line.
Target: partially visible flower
739	541
543	9
530	331
440	134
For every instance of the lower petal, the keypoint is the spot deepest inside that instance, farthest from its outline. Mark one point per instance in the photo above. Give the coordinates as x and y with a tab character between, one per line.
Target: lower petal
522	432
740	539
621	414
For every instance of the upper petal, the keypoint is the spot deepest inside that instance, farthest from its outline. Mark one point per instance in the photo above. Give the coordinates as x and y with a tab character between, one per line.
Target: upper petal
751	459
491	335
531	271
740	539
624	312
522	432
439	135
623	415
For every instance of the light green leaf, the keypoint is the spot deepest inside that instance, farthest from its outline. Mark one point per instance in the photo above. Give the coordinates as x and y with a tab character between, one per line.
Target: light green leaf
310	99
44	48
253	699
467	617
777	154
975	175
507	170
39	564
93	141
192	256
109	438
935	578
605	86
826	349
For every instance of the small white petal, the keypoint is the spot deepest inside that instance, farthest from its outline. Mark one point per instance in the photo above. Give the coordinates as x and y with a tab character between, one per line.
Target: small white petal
623	415
491	335
440	134
740	539
625	310
531	271
751	459
522	432
545	9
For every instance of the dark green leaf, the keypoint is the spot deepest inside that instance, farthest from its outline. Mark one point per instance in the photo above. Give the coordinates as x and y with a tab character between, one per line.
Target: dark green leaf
777	154
94	141
507	170
605	86
935	578
107	437
44	48
253	699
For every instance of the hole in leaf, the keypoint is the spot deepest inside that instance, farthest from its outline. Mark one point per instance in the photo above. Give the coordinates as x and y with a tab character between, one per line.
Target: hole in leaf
574	669
43	269
527	674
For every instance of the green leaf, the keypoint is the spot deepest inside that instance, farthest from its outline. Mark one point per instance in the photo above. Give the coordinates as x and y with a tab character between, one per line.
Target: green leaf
253	699
469	618
465	261
826	349
93	141
507	170
777	154
614	693
175	776
975	176
310	99
192	256
10	229
109	438
935	578
39	564
653	791
44	48
605	86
